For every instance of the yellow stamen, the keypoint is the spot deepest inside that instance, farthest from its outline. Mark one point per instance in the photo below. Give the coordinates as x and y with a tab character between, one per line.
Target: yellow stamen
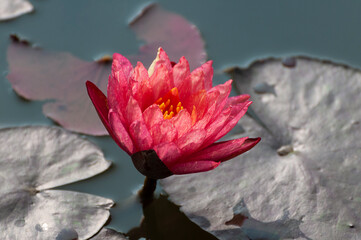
159	101
169	104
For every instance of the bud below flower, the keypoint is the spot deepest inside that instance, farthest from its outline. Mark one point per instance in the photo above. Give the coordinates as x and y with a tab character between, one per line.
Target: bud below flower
148	163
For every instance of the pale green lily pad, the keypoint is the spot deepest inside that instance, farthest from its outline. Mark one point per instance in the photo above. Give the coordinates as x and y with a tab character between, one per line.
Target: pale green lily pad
34	159
14	8
302	181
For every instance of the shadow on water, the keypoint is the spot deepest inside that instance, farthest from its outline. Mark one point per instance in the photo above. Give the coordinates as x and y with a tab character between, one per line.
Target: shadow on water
163	220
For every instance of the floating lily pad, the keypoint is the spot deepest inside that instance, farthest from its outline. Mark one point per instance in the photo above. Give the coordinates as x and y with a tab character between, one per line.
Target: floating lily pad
14	8
161	28
302	181
36	74
35	159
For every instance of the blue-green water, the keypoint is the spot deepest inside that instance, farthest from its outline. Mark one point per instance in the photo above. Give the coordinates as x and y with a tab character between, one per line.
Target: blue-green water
236	32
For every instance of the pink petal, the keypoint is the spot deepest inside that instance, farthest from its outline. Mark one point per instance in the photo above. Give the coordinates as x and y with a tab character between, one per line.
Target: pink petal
216	126
120	134
100	103
192	84
141	136
160	82
199	101
181	71
191	141
163	132
238	99
121	64
182	122
205	115
118	95
132	111
208	74
169	153
161	59
193	167
141	89
237	113
152	115
224	91
223	151
118	84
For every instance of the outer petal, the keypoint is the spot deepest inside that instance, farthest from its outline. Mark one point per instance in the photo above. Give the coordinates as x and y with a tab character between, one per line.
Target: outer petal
100	103
122	64
191	141
216	126
181	71
118	84
169	153
118	95
193	167
120	134
224	91
141	136
237	113
237	99
223	151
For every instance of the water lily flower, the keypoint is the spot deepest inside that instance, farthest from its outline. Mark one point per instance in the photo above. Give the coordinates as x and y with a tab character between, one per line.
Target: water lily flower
171	117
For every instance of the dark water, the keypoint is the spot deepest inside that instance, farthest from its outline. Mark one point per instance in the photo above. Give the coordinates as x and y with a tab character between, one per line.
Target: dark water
236	32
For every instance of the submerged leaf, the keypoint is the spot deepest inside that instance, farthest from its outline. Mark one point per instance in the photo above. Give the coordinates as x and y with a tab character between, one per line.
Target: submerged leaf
34	159
161	28
303	179
40	75
14	8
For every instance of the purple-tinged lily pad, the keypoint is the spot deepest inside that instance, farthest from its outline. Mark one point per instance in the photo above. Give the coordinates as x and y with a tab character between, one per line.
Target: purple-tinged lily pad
161	28
14	8
60	77
302	181
35	159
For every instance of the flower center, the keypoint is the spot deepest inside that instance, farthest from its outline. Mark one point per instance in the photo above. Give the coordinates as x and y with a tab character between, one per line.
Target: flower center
169	104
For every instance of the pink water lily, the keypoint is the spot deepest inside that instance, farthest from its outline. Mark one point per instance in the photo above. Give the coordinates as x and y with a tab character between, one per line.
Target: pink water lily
175	112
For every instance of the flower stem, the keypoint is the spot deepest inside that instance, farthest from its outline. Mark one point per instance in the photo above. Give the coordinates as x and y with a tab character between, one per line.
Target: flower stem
146	193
